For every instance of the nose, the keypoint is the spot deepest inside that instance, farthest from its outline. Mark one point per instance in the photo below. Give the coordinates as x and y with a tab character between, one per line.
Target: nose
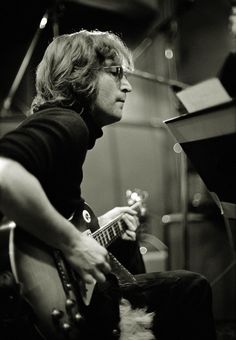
125	85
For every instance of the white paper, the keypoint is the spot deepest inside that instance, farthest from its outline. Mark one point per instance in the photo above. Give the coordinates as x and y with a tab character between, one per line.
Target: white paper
203	95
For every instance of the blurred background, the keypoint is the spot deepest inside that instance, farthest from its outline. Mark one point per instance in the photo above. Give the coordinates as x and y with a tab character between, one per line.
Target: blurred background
174	43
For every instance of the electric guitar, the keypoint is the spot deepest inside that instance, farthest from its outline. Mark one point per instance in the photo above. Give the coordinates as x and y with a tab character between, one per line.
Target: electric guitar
53	290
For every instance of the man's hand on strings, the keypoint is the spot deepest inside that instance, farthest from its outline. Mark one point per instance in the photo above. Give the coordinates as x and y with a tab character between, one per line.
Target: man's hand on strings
128	215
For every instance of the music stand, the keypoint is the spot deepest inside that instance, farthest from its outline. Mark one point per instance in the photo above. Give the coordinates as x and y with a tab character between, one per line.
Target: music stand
208	137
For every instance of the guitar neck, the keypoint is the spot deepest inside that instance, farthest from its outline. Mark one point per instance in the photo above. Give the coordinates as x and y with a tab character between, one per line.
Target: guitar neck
107	234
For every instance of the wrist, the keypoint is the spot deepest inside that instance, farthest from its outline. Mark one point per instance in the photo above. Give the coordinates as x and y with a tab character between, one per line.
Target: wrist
69	238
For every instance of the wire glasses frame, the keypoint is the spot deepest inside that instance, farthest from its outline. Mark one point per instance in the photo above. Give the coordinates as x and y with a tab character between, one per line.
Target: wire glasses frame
118	71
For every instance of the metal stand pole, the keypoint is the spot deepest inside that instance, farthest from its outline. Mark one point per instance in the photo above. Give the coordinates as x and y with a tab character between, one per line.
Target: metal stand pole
8	100
184	207
53	13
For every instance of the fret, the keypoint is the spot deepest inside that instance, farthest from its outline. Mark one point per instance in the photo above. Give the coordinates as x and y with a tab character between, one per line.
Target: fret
100	240
117	229
104	235
103	239
107	234
120	225
112	232
114	228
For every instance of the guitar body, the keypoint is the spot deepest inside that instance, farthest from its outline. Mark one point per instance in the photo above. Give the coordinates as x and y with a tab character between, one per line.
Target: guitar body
47	284
41	286
58	299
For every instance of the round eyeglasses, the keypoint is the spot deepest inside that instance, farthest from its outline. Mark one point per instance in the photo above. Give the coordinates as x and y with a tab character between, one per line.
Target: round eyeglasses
118	71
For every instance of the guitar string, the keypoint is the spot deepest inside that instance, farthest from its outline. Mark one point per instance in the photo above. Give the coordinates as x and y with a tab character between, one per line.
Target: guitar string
117	220
100	234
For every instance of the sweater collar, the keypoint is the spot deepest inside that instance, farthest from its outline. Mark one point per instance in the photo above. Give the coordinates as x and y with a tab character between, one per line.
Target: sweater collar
95	131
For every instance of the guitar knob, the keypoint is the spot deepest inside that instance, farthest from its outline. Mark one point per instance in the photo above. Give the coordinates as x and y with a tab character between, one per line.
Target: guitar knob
78	318
66	327
70	303
56	314
116	333
69	286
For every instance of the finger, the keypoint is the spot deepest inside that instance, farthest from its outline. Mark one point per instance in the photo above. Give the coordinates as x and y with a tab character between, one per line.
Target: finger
128	210
130	221
105	267
137	220
88	278
98	275
131	235
133	218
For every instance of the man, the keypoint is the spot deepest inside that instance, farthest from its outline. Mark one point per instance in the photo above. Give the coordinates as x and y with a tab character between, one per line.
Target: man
82	86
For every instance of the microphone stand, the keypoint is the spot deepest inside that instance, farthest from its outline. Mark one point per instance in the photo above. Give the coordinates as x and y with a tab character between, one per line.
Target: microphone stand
7	102
174	84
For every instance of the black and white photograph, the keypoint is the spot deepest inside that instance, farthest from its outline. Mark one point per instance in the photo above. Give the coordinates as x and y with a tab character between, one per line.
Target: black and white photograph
118	170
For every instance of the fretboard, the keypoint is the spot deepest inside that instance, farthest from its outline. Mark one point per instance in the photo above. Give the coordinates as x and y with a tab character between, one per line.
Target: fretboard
109	233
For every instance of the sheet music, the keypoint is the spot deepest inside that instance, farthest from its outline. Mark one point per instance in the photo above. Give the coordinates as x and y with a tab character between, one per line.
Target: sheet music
203	95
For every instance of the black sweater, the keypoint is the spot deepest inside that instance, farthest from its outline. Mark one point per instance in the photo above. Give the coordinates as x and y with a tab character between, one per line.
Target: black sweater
52	145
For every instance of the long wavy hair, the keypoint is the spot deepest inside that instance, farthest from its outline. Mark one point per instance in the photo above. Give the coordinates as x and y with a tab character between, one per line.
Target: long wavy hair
67	73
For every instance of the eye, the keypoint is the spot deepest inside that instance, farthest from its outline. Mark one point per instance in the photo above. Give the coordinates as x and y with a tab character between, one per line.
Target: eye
116	71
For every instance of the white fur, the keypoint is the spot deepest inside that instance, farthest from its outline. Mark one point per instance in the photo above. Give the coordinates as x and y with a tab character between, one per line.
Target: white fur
135	324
